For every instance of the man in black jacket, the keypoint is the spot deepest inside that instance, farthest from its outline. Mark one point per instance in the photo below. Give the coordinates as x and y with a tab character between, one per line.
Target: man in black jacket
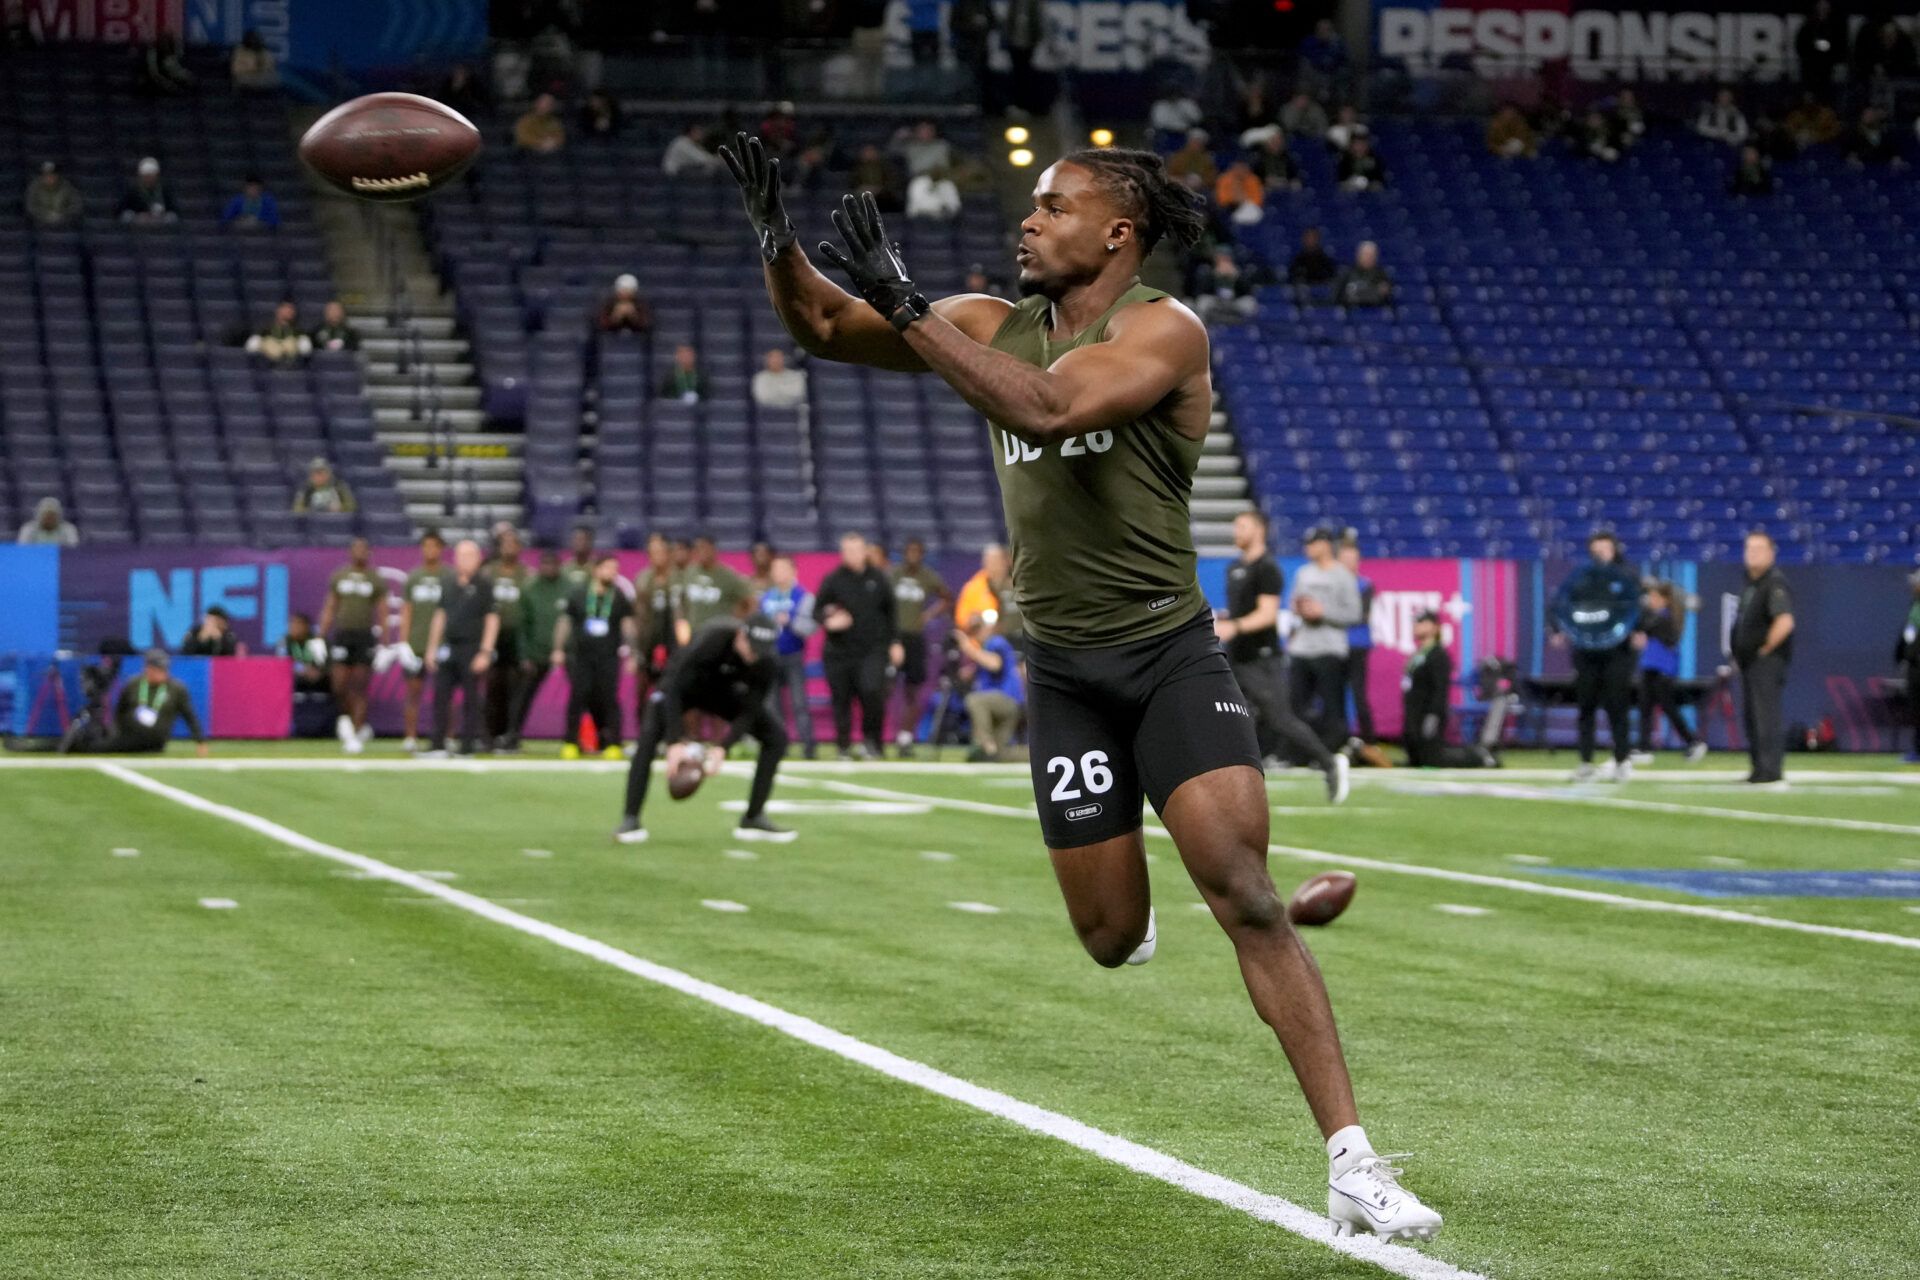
1426	700
144	714
1906	654
727	671
1762	643
854	607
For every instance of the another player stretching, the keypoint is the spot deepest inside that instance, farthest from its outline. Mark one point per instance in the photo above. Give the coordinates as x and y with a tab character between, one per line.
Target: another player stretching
1097	393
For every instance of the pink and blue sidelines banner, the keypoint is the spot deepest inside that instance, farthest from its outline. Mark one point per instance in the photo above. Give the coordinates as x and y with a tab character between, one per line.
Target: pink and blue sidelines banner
234	697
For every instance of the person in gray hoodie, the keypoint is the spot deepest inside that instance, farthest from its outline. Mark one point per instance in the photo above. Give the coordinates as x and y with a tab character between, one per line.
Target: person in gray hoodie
1326	602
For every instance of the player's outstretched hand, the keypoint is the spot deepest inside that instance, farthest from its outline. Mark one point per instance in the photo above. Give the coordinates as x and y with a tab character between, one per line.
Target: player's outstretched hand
759	179
871	261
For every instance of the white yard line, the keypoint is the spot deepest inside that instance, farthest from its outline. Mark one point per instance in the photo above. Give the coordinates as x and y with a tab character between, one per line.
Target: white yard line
1501	791
1443	873
1305	1223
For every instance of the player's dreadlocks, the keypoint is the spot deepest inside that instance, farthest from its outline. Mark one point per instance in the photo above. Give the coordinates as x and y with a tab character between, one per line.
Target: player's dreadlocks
1138	183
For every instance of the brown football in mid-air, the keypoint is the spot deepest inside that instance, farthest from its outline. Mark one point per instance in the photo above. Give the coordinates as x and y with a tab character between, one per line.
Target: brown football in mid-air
685	779
1322	899
390	146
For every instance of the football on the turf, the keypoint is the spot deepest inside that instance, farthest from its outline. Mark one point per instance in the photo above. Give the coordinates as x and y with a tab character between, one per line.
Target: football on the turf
390	146
685	778
1322	899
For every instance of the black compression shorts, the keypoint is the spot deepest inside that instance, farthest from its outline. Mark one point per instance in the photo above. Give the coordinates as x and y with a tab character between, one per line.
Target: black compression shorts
1110	726
354	648
913	657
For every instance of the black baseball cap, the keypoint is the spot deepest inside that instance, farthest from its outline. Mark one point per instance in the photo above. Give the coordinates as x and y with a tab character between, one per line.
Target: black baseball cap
157	659
763	636
1427	615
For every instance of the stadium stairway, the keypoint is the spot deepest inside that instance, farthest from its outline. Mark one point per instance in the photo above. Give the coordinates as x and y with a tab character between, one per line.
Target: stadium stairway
456	471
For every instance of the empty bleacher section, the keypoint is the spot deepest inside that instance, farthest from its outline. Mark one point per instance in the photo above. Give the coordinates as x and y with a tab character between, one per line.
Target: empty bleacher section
533	242
119	391
1576	343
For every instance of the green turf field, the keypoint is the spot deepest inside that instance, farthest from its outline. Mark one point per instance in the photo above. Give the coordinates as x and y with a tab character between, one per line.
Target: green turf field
345	1075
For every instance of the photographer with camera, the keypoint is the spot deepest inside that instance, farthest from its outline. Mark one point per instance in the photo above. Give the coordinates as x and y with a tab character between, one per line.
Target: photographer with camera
143	714
997	702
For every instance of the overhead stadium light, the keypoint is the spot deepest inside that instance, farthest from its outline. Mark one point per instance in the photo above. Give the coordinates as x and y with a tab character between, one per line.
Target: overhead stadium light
1020	157
1101	137
1017	134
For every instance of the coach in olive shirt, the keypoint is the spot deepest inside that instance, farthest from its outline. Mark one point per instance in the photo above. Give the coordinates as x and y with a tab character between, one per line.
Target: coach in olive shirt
708	590
1762	644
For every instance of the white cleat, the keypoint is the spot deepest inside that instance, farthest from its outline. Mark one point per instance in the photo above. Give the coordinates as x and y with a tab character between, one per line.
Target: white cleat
630	832
352	745
1610	770
1585	773
1622	772
1697	752
1641	758
1339	779
365	734
1144	952
343	729
1366	1200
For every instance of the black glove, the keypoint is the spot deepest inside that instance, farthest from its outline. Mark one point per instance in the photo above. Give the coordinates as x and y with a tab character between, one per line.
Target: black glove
759	180
872	262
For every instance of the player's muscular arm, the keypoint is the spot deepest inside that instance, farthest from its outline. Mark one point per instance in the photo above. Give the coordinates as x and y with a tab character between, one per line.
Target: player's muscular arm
1151	350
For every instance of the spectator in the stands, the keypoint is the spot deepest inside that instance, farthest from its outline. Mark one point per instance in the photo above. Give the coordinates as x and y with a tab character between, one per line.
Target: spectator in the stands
324	491
51	200
922	149
252	208
970	26
335	333
1722	120
1223	291
624	310
541	128
49	527
1365	283
281	340
1359	168
1820	46
933	195
1628	120
1252	108
1193	163
1325	69
1312	265
778	387
1509	135
148	201
1175	111
1347	125
684	382
252	65
1883	52
600	116
1595	139
780	131
873	171
1871	141
465	92
1304	117
689	156
1239	196
1812	121
213	638
978	281
1752	175
161	70
1272	160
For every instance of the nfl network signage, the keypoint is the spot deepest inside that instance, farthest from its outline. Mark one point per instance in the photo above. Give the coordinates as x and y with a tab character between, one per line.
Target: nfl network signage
1747	40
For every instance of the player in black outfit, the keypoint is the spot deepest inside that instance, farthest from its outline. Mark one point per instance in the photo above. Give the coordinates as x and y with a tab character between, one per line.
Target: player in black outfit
1251	635
855	609
599	620
1762	644
725	670
460	648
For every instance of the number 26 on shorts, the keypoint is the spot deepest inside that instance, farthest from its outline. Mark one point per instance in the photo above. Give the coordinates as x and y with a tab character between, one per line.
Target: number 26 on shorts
1093	772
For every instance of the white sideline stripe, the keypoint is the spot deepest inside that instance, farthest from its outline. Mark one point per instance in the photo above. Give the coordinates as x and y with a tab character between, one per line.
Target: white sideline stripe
1459	877
1397	1259
1497	791
1907	777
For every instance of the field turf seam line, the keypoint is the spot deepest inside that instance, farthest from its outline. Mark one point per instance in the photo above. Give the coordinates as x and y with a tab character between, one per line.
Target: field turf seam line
1308	1225
1597	896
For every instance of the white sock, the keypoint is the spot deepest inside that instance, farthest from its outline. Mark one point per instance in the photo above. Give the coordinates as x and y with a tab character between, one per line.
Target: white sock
1144	952
1347	1148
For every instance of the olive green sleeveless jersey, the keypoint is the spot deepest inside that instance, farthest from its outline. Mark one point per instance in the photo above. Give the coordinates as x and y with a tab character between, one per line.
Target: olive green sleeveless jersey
1098	524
